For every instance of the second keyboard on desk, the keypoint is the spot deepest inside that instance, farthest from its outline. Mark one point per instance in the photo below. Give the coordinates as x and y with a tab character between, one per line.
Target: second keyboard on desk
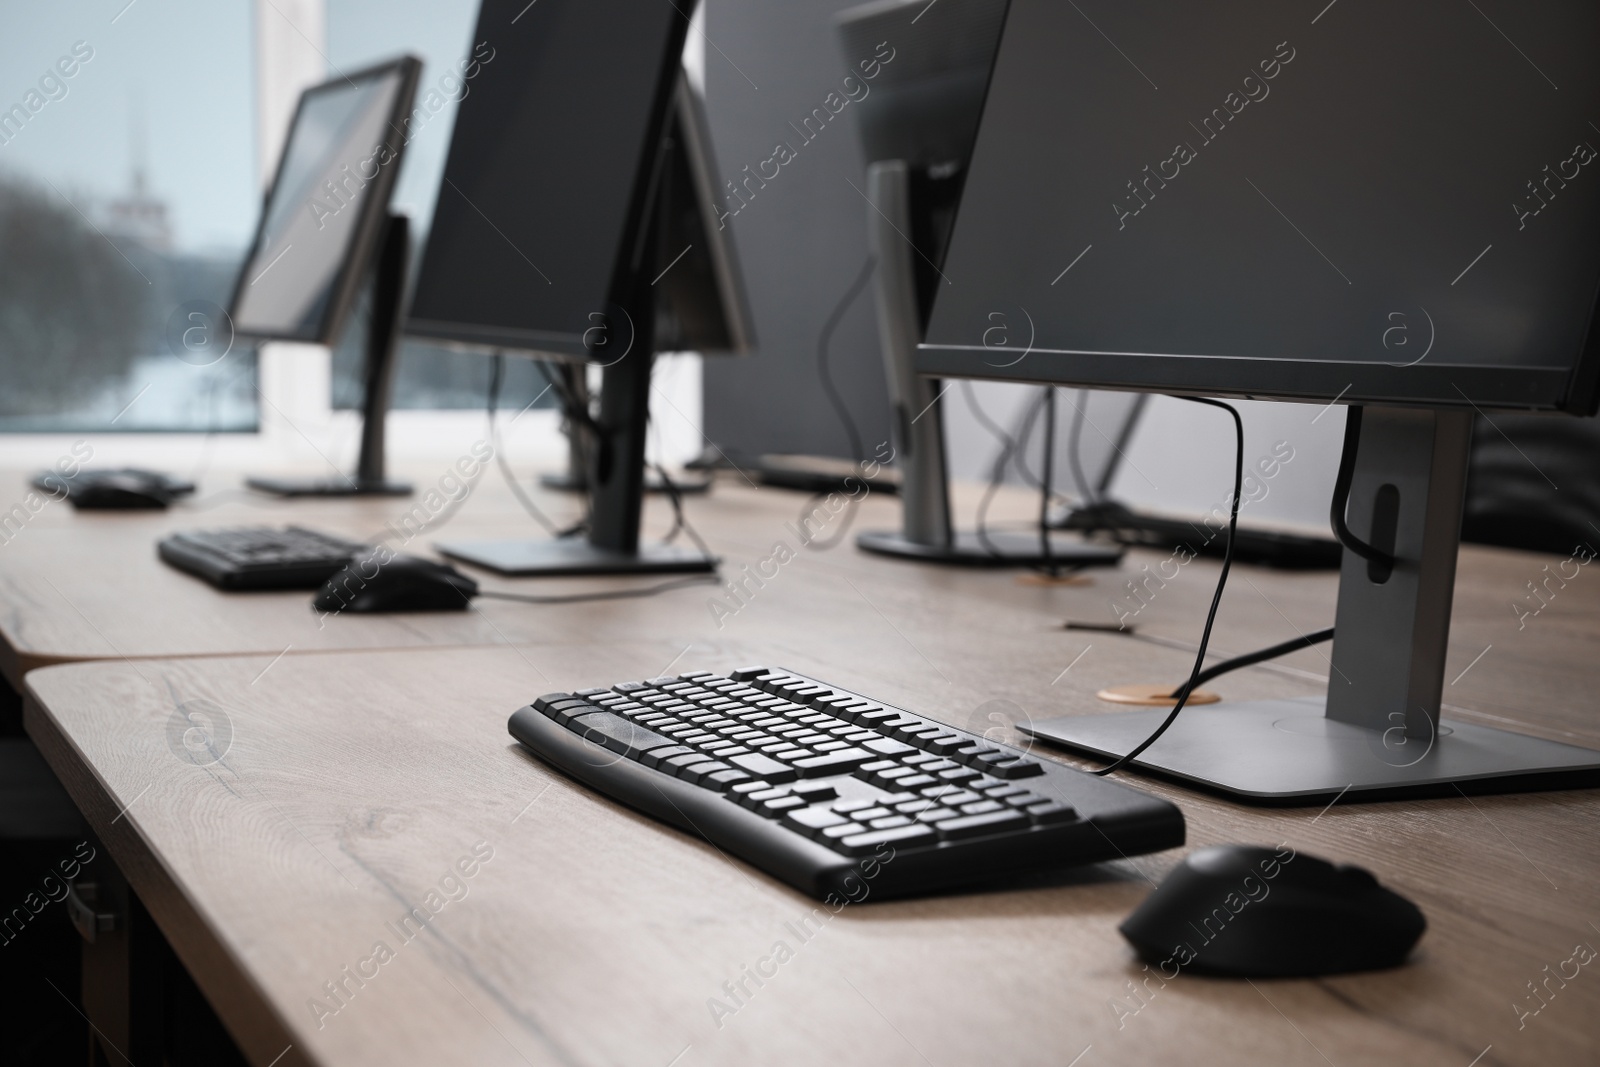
807	781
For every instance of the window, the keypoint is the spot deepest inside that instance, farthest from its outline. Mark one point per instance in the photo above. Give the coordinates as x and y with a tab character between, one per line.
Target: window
127	193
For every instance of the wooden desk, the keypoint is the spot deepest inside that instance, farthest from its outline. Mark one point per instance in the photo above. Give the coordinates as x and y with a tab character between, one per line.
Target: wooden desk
87	585
354	781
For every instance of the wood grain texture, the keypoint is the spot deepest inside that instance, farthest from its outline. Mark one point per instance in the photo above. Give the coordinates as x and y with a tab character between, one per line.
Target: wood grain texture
369	759
85	585
353	782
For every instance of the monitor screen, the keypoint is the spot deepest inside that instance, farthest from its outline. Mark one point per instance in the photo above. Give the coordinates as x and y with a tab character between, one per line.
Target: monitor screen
1382	203
547	174
338	165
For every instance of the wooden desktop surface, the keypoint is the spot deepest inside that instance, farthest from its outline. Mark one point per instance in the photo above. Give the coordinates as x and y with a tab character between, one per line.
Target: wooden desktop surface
353	782
88	585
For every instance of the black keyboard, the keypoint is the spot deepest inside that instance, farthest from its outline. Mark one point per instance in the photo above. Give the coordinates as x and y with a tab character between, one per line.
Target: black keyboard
259	557
824	788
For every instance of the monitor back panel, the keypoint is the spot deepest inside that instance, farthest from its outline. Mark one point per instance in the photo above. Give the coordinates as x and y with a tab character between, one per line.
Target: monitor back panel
1385	202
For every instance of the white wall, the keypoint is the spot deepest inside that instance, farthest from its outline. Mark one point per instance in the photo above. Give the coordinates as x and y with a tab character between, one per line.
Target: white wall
1180	458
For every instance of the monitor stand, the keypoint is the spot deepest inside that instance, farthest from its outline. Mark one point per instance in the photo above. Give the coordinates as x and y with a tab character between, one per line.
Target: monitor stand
1376	734
575	479
617	476
383	337
925	530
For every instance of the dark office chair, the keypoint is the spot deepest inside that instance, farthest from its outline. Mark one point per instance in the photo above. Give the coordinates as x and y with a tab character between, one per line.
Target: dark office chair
1534	483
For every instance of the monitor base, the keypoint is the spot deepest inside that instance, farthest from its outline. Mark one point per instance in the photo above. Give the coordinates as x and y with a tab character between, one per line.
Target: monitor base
688	485
572	556
292	487
1010	550
1288	752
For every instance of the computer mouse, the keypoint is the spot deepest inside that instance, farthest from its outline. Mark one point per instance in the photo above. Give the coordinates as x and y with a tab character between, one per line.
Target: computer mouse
119	491
383	582
1245	911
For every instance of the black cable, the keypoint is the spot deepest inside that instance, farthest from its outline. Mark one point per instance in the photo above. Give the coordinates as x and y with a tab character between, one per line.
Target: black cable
1341	492
1008	449
497	370
1048	467
614	594
1251	658
824	375
1086	496
576	414
1019	458
1006	445
680	522
1216	598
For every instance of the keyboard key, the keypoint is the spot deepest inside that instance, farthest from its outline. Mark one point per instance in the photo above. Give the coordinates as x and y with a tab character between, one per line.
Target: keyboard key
725	780
832	763
889	822
1017	768
673	765
978	825
754	786
775	807
612	731
814	791
959	774
915	781
696	773
807	820
765	767
846	829
936	814
1052	812
546	703
654	757
982	807
947	743
888	746
869	842
745	674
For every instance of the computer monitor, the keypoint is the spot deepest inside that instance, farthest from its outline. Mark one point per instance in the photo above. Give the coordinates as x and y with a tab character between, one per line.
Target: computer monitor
577	221
325	227
917	124
1381	207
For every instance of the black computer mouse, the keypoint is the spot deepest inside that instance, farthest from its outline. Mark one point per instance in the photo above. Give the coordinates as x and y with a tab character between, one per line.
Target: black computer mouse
383	582
120	492
1249	912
